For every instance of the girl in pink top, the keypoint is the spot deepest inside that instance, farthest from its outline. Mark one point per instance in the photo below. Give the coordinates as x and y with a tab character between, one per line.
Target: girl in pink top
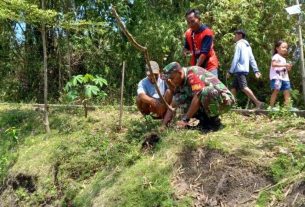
279	79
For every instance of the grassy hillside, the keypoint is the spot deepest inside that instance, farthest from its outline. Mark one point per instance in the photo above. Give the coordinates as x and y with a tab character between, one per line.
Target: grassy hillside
252	161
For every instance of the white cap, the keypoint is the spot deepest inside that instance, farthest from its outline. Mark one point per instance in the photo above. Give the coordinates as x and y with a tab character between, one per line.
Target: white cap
154	66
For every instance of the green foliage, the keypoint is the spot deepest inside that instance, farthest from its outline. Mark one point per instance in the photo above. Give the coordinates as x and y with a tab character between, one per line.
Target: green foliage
281	167
138	129
12	133
263	199
149	186
83	88
83	38
14	126
288	165
214	144
284	113
100	181
85	162
18	10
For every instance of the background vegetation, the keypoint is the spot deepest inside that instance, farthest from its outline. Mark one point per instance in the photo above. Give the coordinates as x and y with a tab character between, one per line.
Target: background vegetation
82	37
86	161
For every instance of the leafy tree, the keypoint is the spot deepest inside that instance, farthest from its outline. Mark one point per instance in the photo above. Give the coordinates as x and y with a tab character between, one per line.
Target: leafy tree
82	37
83	88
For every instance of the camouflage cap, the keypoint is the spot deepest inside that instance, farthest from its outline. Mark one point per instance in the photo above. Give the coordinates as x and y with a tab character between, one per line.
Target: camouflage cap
154	66
173	66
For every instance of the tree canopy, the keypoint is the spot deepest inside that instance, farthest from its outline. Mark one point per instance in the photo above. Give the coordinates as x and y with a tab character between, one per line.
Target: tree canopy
82	37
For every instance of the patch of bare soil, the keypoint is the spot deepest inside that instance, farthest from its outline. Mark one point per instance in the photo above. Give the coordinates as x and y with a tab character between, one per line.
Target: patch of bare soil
214	179
12	184
150	140
25	181
294	195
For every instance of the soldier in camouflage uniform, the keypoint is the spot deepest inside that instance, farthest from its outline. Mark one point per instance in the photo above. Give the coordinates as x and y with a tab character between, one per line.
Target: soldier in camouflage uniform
199	93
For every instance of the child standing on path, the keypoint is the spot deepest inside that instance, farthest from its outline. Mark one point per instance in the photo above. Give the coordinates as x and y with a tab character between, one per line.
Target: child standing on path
279	79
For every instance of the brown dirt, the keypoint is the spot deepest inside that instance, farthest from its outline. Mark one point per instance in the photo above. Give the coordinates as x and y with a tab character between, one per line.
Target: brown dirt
150	140
8	195
211	178
24	181
294	195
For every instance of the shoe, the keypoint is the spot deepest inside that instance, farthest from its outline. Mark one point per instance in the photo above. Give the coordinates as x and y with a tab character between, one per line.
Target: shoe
210	124
270	108
293	109
261	106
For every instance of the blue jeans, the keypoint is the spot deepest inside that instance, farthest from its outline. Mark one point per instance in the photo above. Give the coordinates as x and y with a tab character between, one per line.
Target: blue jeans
277	84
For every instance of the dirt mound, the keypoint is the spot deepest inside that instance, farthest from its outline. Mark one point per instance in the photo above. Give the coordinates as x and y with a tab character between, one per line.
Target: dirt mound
214	179
150	140
8	196
23	181
295	195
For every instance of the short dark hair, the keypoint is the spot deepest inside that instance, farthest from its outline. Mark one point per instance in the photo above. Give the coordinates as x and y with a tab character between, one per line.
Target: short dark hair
240	31
195	11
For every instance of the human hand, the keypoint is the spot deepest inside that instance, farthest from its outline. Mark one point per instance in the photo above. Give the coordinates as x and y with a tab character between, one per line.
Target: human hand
288	66
228	75
181	124
170	85
258	75
154	103
186	52
168	117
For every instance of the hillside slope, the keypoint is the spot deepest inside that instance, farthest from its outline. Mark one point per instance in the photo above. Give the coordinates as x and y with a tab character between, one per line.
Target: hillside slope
251	161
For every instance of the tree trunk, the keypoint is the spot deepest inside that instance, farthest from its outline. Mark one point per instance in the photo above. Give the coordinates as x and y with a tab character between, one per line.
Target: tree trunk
69	55
60	62
122	93
85	108
301	51
45	74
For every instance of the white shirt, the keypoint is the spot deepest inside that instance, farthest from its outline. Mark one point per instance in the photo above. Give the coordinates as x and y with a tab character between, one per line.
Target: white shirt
280	73
148	88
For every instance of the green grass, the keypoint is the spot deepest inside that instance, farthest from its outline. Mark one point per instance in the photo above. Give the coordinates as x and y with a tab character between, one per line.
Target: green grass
87	162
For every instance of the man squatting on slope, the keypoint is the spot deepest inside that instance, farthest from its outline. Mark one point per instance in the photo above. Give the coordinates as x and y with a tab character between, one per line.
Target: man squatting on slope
148	100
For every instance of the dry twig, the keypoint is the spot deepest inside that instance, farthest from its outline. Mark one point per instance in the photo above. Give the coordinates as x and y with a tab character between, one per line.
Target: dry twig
142	49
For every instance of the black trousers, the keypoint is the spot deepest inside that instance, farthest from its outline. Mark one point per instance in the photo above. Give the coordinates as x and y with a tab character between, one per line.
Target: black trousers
207	123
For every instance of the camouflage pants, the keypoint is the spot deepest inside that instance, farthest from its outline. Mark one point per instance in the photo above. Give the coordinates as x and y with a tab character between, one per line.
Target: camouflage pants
216	99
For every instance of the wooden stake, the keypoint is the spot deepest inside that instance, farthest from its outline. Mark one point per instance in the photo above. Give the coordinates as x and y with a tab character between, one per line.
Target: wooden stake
122	92
301	50
45	74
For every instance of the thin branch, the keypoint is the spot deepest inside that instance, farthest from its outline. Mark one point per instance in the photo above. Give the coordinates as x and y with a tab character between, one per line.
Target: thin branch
142	49
126	32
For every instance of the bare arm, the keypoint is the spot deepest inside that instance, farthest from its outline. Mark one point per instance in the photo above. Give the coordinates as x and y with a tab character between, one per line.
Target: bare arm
169	115
193	107
201	59
147	99
276	65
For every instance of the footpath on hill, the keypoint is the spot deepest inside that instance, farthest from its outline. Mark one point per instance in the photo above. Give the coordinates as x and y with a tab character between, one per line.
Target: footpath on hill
255	160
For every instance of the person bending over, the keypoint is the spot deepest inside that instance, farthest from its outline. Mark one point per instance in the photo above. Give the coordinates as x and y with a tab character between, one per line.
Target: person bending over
200	93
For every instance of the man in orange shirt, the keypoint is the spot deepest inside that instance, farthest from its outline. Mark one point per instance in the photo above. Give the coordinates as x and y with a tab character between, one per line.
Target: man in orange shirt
199	42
